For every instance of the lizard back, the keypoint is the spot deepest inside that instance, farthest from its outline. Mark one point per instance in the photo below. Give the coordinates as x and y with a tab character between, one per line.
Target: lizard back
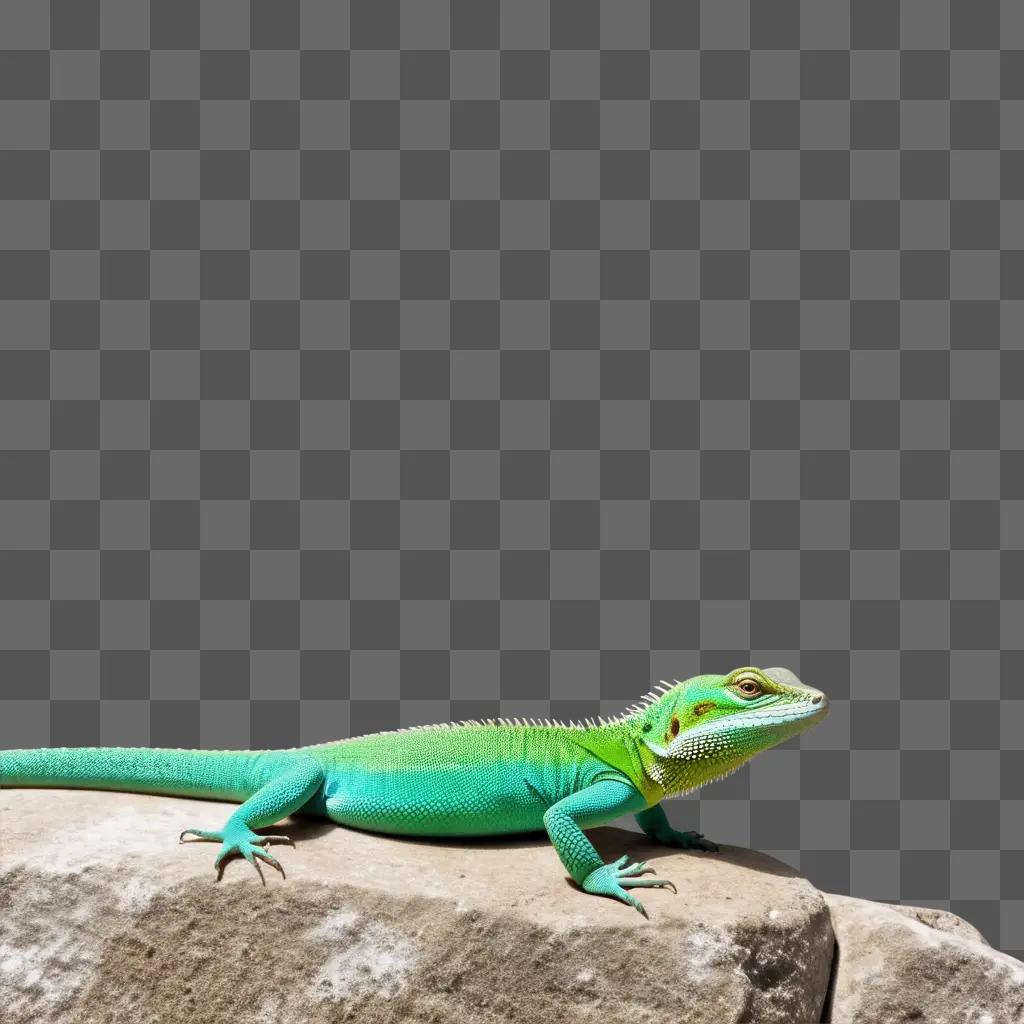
470	779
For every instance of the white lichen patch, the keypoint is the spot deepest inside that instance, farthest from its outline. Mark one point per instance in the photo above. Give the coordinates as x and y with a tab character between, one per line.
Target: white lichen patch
37	976
709	951
369	966
371	961
334	925
24	965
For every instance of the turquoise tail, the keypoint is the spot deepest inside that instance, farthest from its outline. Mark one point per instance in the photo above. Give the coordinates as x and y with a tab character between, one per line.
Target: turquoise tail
213	774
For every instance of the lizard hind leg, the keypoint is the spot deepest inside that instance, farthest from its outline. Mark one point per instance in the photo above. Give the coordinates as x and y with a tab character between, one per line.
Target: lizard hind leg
285	792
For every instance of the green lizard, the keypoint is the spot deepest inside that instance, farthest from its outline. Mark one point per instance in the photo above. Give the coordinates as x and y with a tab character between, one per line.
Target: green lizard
473	778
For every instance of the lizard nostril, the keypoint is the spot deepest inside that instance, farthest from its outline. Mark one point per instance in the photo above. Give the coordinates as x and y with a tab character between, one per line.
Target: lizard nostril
816	699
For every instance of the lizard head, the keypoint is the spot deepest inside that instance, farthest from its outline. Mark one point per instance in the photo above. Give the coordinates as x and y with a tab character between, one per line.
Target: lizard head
707	726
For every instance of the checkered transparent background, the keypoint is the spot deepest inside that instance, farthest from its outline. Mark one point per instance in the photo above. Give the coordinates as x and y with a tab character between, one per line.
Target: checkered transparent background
385	362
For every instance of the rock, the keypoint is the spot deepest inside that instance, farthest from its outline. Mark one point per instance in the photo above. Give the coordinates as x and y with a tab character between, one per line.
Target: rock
105	918
942	920
897	964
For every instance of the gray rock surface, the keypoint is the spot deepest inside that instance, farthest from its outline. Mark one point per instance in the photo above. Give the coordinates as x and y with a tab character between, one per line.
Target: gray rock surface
105	918
903	964
942	921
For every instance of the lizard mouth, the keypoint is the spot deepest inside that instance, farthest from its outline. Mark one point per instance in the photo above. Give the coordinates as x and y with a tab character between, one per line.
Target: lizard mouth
711	738
782	714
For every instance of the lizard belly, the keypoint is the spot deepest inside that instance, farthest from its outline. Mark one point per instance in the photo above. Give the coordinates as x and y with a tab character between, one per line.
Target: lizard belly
461	801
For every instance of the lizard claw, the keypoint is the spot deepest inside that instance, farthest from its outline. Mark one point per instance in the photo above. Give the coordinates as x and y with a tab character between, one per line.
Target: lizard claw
696	841
283	839
204	836
250	851
687	841
634	869
614	879
242	840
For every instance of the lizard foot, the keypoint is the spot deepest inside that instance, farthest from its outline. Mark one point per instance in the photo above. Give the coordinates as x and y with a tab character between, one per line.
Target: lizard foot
690	841
238	839
614	879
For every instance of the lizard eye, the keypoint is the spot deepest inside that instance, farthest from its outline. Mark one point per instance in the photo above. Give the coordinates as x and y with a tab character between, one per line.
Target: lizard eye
749	688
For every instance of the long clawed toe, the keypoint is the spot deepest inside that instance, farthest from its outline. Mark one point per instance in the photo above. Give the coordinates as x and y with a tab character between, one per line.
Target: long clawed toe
283	839
204	836
617	878
253	854
627	877
263	855
696	841
640	868
648	883
236	841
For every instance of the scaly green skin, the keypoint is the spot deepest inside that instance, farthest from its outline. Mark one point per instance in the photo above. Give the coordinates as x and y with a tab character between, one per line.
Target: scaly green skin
473	778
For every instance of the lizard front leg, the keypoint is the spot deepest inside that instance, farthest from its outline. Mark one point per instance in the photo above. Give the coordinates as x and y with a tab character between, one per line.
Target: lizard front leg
285	793
604	800
655	823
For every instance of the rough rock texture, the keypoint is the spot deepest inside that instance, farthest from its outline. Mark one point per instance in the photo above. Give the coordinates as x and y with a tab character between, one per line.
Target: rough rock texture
104	918
942	921
903	964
